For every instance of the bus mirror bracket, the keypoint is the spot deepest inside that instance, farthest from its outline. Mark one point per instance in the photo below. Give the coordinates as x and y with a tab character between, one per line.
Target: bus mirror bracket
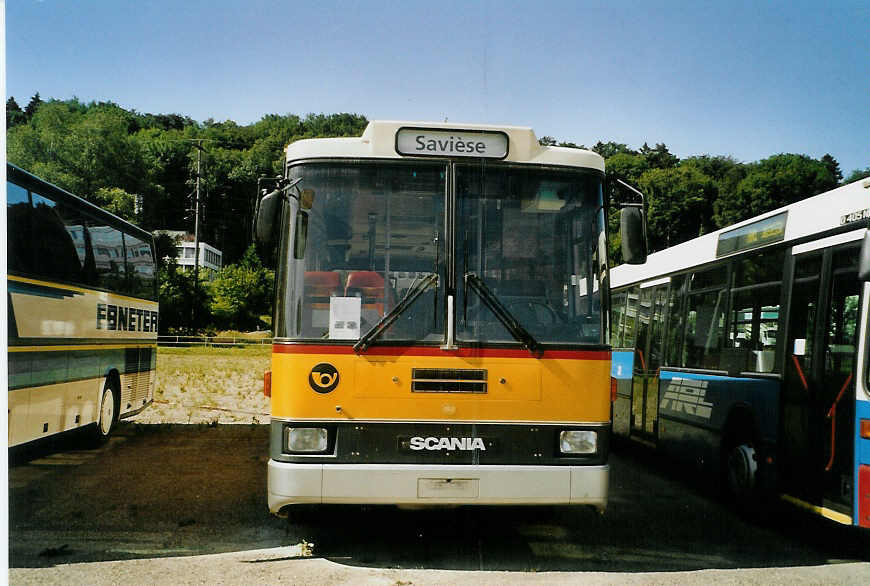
269	210
632	227
864	259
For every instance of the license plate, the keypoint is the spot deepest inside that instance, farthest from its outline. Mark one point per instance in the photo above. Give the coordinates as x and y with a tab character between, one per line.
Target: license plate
447	488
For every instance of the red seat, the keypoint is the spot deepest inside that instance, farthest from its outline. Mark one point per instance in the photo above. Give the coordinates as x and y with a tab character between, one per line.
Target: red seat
320	286
368	285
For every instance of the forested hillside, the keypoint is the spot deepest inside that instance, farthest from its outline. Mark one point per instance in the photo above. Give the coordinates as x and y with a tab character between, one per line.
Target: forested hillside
142	167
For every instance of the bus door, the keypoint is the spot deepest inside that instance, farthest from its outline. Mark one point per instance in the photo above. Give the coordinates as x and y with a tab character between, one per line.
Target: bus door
648	359
818	395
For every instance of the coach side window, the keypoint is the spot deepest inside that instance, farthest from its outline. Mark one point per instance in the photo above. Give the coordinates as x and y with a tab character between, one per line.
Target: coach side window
108	245
18	240
54	251
140	267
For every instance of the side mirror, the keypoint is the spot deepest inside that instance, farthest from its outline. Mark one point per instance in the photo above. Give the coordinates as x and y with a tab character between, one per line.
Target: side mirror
632	231
268	215
864	259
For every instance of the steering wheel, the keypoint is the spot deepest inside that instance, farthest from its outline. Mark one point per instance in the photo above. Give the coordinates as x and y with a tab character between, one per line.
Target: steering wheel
532	311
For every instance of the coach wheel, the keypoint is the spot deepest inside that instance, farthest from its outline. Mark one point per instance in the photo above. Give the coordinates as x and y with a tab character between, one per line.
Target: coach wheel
106	422
741	468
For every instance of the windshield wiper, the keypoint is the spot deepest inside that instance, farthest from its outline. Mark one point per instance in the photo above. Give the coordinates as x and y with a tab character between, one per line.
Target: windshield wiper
385	322
501	312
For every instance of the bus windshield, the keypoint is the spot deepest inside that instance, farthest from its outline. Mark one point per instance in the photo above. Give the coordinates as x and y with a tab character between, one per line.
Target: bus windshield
534	237
373	233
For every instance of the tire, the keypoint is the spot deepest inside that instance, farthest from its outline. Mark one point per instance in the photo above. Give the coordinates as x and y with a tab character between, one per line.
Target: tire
741	470
108	412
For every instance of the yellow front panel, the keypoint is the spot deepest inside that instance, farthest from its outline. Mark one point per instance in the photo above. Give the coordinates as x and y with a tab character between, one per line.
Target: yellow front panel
379	387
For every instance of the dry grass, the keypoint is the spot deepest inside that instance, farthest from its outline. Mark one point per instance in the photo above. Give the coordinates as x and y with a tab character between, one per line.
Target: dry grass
209	385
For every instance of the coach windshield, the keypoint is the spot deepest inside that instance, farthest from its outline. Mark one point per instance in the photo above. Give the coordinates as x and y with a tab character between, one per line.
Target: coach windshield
370	239
529	251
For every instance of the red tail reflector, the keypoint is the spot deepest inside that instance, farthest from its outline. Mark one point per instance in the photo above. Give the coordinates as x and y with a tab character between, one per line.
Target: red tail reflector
865	428
612	390
864	496
267	383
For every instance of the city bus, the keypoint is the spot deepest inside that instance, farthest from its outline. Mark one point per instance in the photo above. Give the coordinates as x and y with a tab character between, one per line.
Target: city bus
83	314
440	319
744	352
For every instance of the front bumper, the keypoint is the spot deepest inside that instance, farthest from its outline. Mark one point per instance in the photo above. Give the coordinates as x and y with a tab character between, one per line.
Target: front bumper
297	483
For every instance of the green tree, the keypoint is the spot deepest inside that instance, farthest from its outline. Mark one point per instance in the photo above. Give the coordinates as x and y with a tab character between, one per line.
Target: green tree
857	174
833	166
608	149
772	183
627	167
14	114
680	205
242	293
658	157
116	201
32	106
183	304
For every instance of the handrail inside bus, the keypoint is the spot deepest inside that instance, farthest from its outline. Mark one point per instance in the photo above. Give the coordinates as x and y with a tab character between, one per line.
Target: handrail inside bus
832	415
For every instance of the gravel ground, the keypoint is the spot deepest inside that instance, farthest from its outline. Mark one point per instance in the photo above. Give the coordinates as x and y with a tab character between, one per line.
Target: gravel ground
287	565
209	385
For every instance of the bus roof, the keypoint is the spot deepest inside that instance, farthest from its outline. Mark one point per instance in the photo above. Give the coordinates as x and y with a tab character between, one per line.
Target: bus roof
843	209
379	140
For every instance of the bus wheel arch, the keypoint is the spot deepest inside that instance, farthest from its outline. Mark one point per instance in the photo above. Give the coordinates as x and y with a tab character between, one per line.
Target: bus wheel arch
739	456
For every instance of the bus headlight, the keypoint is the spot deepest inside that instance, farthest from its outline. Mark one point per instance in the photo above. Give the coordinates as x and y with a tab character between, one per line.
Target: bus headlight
578	442
306	439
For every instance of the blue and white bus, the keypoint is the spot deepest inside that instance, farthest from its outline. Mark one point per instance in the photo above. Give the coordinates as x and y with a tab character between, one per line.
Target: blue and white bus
745	352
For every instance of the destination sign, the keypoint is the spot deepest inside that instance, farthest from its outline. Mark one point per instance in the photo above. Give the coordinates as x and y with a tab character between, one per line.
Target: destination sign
756	234
451	143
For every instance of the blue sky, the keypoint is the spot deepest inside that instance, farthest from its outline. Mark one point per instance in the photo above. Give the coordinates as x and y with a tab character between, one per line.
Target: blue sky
746	79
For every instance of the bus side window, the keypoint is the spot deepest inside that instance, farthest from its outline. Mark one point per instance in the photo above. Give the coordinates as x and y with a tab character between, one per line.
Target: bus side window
617	339
108	247
55	249
705	319
674	327
631	317
140	267
19	244
752	330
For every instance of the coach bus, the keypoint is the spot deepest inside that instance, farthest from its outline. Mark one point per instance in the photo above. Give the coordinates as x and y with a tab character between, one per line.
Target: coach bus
745	352
441	319
83	316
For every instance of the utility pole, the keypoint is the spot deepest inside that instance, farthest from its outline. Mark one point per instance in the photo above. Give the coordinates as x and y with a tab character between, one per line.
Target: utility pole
196	216
197	143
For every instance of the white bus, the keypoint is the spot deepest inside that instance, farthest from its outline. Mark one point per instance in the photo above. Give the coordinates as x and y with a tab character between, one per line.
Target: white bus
83	315
745	351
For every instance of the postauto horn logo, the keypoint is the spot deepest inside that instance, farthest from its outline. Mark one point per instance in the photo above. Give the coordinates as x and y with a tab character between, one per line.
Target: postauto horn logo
323	378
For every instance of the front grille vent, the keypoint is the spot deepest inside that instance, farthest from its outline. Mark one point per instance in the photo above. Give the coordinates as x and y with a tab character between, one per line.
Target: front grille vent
448	380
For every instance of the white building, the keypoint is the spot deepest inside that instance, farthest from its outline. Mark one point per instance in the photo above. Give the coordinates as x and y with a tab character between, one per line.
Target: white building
209	256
